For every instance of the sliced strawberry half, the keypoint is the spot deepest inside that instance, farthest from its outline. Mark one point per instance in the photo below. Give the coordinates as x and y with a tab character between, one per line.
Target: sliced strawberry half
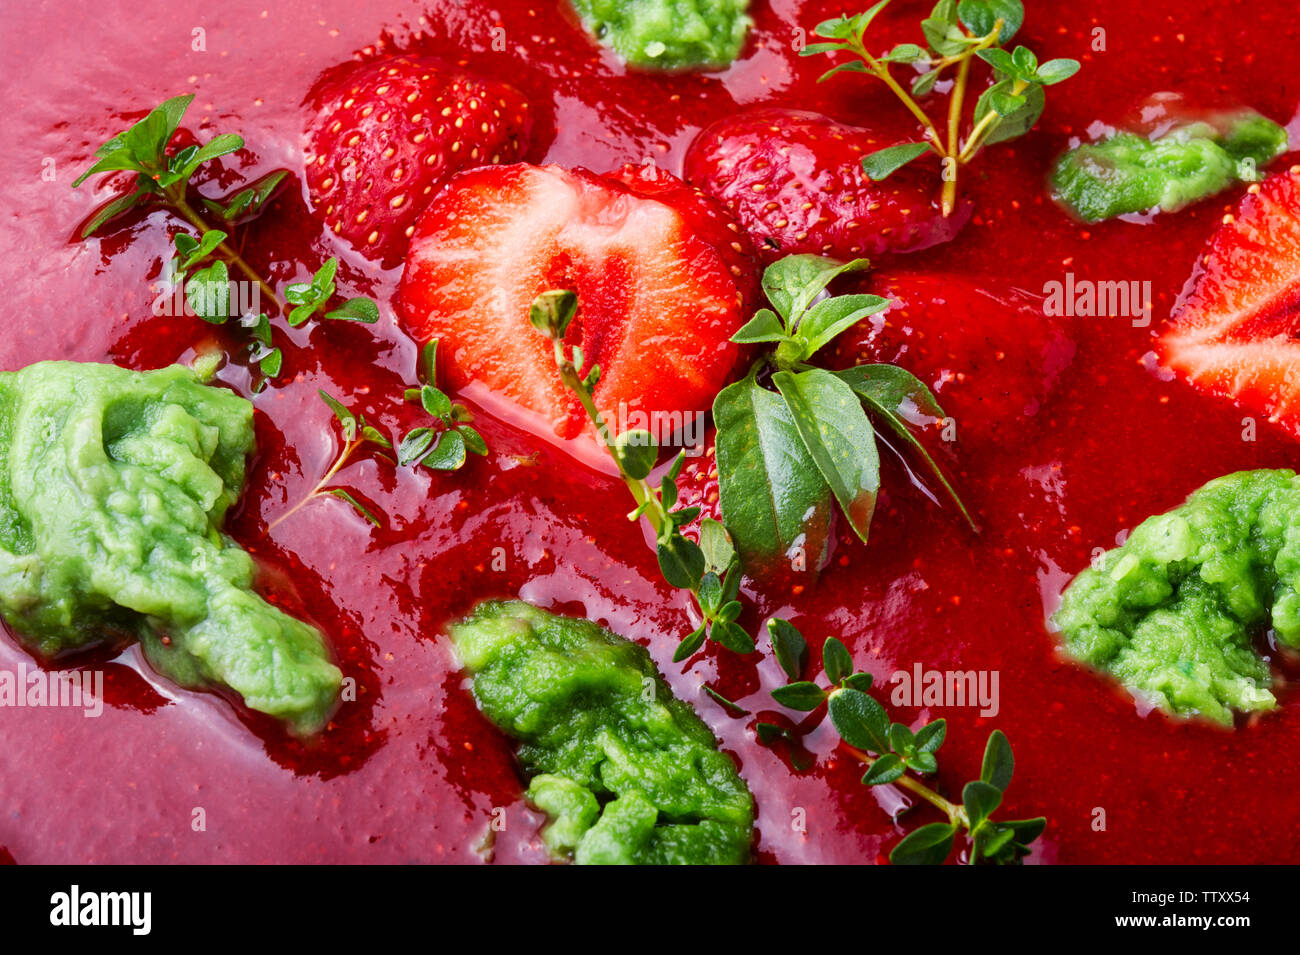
385	135
658	301
794	180
1235	331
990	359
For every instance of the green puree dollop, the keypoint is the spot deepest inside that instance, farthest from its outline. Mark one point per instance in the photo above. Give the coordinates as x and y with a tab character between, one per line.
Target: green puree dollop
669	34
113	488
627	773
1128	173
1172	612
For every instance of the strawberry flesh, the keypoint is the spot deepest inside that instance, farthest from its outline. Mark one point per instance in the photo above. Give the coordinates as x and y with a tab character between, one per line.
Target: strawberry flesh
657	302
1235	332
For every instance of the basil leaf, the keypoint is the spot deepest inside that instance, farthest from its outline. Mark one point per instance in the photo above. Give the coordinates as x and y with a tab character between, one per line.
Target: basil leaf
891	393
110	211
773	498
998	763
474	442
208	292
836	660
839	439
801	695
763	327
832	316
1056	71
929	845
883	163
793	282
789	647
860	720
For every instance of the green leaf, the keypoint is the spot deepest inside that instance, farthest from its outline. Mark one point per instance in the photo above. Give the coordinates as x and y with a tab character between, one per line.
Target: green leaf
860	720
1015	124
774	500
357	505
763	327
427	369
435	403
1027	830
883	163
375	436
836	660
812	49
1025	61
944	38
769	733
636	453
551	312
208	292
111	210
840	28
474	442
681	561
859	681
839	439
448	454
998	763
930	736
1000	60
923	763
413	445
271	363
901	740
981	800
692	643
1012	15
247	202
791	283
848	66
895	395
905	53
1057	71
800	695
929	845
788	646
885	769
735	709
716	545
831	316
710	594
194	252
345	417
923	84
359	309
732	636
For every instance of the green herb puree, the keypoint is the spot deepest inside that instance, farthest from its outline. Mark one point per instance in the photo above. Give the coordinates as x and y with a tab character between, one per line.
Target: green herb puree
113	488
1172	612
626	772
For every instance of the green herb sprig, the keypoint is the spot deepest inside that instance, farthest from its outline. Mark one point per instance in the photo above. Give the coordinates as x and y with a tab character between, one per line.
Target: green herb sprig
784	455
894	754
441	447
710	569
204	260
955	34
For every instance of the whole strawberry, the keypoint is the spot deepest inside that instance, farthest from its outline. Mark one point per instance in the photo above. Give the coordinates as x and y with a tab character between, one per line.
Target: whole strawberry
385	135
794	180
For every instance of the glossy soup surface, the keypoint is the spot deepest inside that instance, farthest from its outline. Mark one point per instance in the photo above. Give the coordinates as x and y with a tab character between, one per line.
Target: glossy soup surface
411	772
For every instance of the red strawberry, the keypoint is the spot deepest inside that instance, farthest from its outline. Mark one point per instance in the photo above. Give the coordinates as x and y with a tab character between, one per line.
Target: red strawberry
991	360
658	302
1235	333
794	179
387	134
